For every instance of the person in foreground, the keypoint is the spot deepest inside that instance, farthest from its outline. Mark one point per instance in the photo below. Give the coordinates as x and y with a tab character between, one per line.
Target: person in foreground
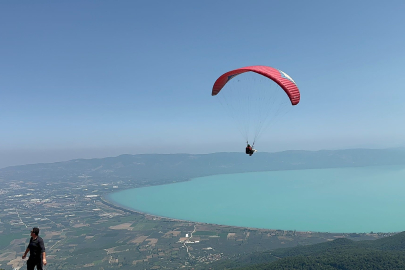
249	150
36	248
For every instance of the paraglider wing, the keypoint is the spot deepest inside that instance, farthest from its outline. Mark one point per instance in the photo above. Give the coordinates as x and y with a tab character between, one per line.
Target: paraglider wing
278	76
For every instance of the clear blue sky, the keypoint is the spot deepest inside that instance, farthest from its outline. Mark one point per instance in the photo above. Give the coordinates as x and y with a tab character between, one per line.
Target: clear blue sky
83	79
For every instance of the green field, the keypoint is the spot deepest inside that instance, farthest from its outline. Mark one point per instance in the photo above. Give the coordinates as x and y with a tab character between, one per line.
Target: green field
5	239
209	233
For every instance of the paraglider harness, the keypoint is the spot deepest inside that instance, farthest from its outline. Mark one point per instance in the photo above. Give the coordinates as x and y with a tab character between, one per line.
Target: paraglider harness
249	149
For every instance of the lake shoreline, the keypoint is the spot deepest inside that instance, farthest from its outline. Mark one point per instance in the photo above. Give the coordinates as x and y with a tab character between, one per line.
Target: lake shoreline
333	200
104	200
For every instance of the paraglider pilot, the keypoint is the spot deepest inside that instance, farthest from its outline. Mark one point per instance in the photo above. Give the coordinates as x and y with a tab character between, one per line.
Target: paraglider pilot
249	150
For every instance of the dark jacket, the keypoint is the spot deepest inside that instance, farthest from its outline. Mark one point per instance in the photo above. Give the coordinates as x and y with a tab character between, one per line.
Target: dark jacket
36	247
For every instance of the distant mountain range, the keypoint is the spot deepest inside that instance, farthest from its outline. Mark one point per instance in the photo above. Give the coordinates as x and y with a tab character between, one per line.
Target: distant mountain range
164	168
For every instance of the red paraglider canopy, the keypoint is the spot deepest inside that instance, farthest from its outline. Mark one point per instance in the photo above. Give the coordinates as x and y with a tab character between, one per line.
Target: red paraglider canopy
278	76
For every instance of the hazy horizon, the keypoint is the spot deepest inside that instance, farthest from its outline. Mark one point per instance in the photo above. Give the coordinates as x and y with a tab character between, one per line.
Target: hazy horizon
98	79
52	157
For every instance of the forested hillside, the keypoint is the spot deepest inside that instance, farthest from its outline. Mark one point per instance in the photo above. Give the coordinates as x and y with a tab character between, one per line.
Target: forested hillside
385	253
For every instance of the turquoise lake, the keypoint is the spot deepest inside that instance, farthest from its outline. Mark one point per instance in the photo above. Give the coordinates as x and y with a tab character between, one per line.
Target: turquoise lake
361	199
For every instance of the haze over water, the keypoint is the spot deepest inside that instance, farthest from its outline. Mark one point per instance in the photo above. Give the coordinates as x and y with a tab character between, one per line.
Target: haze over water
360	199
